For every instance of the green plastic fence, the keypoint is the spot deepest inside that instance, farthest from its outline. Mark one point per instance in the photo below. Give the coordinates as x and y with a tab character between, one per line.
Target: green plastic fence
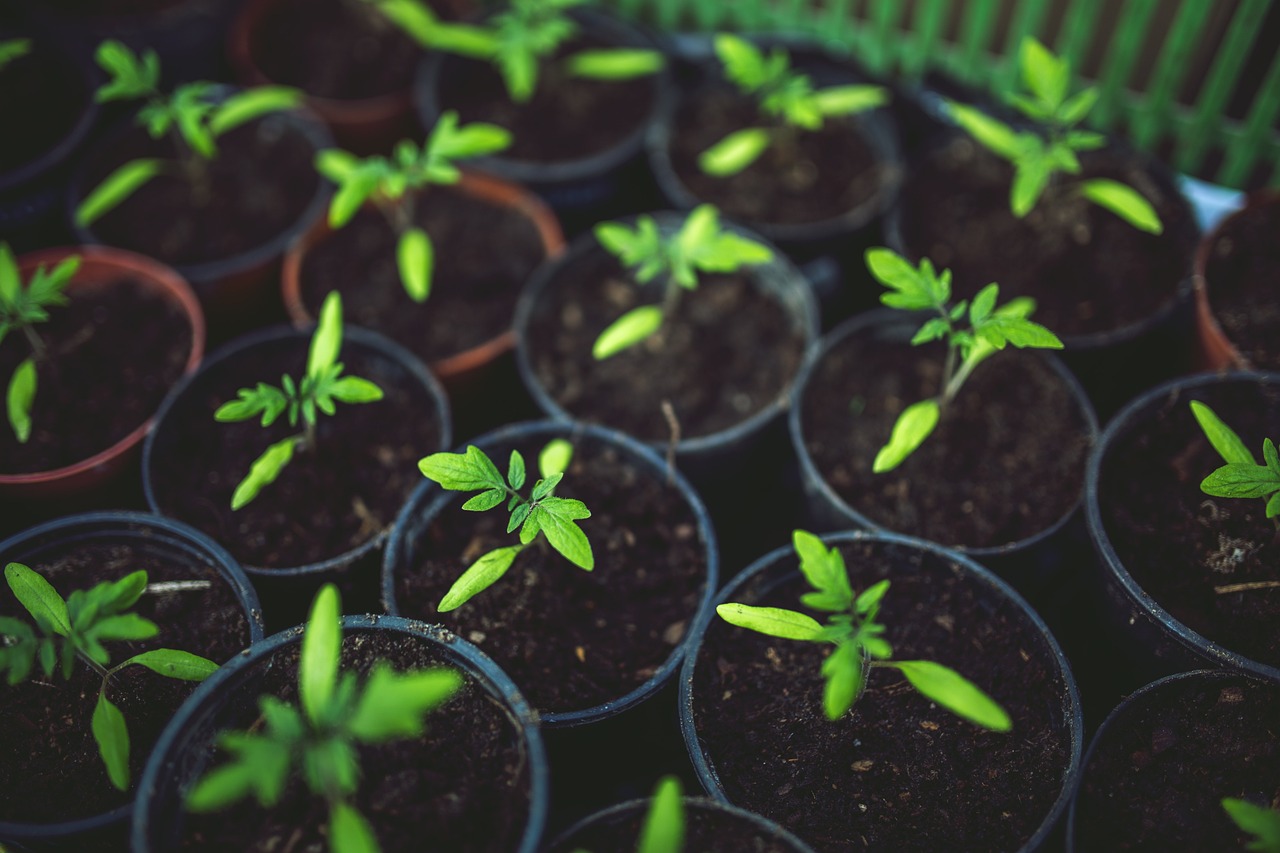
1196	81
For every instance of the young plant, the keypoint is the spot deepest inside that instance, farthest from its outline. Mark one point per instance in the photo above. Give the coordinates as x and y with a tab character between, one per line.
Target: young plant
318	741
192	117
13	49
699	246
542	512
1262	823
75	629
990	328
392	182
1242	476
317	391
786	100
21	308
1037	159
859	640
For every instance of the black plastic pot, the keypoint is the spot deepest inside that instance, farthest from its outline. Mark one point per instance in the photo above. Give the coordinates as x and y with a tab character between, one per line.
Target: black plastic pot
177	542
228	699
780	567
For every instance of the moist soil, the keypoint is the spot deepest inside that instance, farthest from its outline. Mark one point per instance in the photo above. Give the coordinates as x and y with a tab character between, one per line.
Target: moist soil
113	353
43	93
50	767
463	786
1241	272
1089	271
572	639
1005	462
1156	781
707	830
810	177
1183	546
473	288
326	501
258	186
897	773
729	351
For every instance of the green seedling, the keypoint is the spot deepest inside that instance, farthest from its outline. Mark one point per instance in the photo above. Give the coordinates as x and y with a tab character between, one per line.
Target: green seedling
22	308
318	738
699	246
1262	823
786	100
191	117
990	329
859	640
75	629
13	49
393	184
542	512
1242	476
303	400
663	829
1037	159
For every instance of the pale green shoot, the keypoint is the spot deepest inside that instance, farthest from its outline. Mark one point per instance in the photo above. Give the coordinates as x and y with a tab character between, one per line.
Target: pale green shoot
1242	476
1262	823
13	49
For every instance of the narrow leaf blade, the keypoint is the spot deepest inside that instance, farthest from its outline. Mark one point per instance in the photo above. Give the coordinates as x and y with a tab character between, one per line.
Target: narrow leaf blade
774	621
913	426
956	693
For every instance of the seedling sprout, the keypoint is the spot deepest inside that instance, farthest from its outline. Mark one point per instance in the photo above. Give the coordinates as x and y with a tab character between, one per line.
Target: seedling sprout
1242	476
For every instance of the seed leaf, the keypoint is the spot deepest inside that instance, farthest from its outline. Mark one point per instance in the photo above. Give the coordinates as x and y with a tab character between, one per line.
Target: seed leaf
244	107
734	153
414	257
20	398
954	692
1222	437
115	188
774	621
266	468
1124	201
555	457
615	63
321	650
911	429
479	576
627	331
847	100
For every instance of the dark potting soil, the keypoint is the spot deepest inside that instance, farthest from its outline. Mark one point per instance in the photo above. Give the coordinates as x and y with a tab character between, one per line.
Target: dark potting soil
259	185
811	176
729	351
707	830
325	502
463	786
50	767
113	353
1183	547
897	773
474	288
1241	273
1005	462
1156	782
572	639
1088	270
112	8
43	96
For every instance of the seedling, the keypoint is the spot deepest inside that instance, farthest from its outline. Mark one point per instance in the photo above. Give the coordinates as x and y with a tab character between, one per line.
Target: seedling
393	182
318	741
542	512
1242	476
75	629
859	640
317	391
1262	823
786	100
191	116
13	49
664	822
22	308
1037	159
699	246
990	328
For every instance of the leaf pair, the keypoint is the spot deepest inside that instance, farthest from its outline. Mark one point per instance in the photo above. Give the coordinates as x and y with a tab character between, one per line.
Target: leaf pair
1242	476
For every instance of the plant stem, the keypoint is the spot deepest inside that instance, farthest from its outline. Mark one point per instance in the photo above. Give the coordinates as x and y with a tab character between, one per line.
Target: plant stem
37	346
94	665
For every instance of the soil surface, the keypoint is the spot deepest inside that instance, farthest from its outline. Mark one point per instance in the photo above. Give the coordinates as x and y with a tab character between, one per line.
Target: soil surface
1005	462
50	767
572	639
897	773
324	503
463	786
41	93
473	289
804	176
113	353
1183	546
707	830
729	351
1089	271
1241	274
1156	782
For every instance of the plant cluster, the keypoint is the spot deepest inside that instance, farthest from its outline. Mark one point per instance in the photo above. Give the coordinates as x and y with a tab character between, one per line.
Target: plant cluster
1242	476
71	629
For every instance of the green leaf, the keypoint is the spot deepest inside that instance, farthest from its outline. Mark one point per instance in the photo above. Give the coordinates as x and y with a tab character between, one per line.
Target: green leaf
1044	74
1262	823
39	598
352	193
555	457
174	663
1075	108
615	63
556	518
627	331
734	153
20	398
519	73
1124	201
10	278
743	63
912	288
244	107
999	329
13	49
462	472
911	429
546	486
869	599
224	785
726	252
123	626
349	832
1031	175
112	735
515	470
414	256
117	186
264	471
993	135
321	653
392	705
848	100
268	400
845	675
824	569
478	577
1084	140
326	341
1273	505
131	76
1241	480
983	304
484	501
954	692
449	142
1222	437
774	621
663	827
353	389
461	39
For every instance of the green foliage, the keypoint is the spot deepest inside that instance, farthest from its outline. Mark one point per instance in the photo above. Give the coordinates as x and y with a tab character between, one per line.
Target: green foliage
859	640
76	629
1036	159
319	390
990	329
664	824
1262	823
12	50
1242	476
392	183
542	512
319	742
785	97
699	246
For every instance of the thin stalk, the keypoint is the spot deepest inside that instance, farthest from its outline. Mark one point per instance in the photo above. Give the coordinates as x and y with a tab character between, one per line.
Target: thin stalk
38	348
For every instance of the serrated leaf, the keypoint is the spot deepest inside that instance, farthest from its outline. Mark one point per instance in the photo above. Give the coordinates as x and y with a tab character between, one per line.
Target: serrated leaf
1020	332
627	331
556	518
175	663
462	472
393	705
39	598
1124	201
266	468
112	736
615	63
911	288
1223	438
115	188
913	426
478	577
734	153
20	398
954	692
321	652
773	621
743	63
